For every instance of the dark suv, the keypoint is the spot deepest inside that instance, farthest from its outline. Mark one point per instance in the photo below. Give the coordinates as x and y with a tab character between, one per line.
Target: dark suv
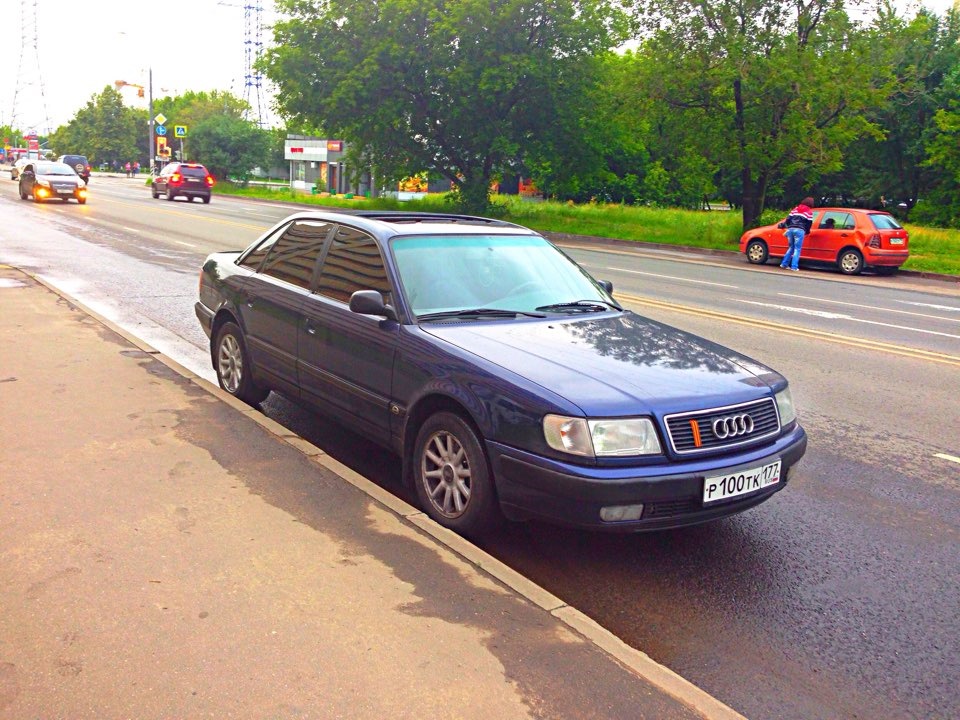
188	179
78	163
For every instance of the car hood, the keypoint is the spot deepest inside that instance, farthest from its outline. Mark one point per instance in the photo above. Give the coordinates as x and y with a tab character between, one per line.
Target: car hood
61	179
615	364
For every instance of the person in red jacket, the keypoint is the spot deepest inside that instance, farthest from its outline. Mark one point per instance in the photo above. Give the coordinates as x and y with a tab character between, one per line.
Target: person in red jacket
798	224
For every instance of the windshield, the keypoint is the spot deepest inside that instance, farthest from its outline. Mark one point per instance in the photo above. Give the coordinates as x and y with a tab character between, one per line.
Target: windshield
54	169
443	273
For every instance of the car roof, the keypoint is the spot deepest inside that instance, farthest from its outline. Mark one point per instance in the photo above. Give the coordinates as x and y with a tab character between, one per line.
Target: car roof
856	211
389	223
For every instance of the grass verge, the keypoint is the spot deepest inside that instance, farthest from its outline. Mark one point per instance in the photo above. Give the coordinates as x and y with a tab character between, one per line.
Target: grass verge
934	250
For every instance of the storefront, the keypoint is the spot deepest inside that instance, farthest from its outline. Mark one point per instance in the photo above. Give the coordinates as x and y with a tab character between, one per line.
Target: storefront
316	162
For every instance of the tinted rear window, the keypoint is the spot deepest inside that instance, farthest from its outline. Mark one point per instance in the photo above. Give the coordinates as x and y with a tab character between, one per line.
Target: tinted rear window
885	222
196	172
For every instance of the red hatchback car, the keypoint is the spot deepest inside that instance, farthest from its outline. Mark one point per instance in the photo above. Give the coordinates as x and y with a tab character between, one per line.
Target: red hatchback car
849	238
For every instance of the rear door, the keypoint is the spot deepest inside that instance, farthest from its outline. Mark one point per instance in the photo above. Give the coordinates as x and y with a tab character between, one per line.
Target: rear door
273	299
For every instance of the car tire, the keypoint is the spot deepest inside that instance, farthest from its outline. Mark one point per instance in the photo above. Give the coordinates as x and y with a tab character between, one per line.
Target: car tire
452	476
850	261
232	364
153	191
170	195
206	199
757	252
82	201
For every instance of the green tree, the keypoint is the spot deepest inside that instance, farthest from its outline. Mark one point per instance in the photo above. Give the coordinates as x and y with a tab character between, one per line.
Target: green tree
770	88
192	108
229	146
922	52
453	87
942	204
594	146
104	130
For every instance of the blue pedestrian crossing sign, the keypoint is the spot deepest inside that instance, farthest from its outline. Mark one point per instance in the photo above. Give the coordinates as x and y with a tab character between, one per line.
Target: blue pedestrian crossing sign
180	131
161	130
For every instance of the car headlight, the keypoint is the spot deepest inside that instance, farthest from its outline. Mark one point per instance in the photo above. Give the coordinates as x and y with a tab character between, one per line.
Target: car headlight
615	437
788	413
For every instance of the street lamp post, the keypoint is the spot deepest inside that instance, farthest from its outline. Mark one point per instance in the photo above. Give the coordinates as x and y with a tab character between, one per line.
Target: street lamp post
150	140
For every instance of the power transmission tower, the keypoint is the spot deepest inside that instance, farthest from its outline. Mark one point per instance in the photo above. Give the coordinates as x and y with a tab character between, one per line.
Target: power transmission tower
253	48
29	87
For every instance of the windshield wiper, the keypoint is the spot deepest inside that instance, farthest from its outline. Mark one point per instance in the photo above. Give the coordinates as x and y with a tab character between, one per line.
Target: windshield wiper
582	305
478	312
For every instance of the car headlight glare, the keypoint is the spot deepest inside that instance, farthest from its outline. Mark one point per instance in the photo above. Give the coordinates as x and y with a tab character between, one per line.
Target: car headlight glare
788	413
614	437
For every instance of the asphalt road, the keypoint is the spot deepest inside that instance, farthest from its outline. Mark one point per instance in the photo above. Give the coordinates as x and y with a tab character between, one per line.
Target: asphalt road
838	598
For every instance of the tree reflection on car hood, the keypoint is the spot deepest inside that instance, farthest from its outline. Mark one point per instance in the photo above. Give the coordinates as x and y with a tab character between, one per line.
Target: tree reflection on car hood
615	364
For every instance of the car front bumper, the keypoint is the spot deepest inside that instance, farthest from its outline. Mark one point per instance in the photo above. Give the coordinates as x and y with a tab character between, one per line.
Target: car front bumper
531	486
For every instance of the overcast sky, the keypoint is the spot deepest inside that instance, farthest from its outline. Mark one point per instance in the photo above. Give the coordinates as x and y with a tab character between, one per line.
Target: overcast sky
81	47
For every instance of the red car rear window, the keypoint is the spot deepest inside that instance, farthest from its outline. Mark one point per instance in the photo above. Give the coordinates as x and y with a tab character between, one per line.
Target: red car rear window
884	222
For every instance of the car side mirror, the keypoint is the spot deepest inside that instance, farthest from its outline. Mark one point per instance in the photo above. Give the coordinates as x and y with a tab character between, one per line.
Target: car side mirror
607	285
370	302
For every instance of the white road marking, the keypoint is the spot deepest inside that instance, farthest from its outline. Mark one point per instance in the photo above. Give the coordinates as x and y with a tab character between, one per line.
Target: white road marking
839	316
944	456
671	277
930	305
130	229
181	242
872	307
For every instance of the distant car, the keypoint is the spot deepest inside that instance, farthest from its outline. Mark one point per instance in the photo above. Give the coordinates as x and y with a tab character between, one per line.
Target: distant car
78	163
18	166
506	378
189	180
46	180
851	239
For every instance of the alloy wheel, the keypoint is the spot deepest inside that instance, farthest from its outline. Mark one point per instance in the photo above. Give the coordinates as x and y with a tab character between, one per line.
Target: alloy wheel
446	475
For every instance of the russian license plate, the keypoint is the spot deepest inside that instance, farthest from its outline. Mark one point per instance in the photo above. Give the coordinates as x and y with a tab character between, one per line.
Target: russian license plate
723	487
896	241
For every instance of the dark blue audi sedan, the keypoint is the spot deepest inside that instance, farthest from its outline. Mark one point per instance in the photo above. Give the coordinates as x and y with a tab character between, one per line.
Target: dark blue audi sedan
508	380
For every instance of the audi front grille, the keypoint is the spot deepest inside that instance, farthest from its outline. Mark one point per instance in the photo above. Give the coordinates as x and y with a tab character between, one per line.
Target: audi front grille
724	427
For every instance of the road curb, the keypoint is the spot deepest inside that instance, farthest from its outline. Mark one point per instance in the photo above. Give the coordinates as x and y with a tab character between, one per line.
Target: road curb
635	660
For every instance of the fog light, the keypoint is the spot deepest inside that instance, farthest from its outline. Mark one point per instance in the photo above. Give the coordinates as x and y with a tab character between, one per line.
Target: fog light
618	513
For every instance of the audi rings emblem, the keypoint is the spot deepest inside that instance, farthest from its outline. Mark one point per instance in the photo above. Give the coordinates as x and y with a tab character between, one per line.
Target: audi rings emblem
732	426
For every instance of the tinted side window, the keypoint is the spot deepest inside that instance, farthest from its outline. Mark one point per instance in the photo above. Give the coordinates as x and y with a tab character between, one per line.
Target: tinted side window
255	257
353	263
293	257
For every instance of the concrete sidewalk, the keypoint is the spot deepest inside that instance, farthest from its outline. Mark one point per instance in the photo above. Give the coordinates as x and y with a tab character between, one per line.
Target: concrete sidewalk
167	552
